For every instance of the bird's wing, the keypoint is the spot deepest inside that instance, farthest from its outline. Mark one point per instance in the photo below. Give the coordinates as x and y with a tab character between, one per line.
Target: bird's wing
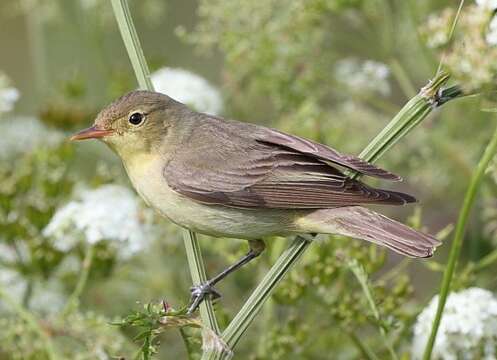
322	152
235	166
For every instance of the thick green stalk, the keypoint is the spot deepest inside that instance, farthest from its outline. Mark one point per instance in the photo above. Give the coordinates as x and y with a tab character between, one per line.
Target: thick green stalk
455	249
406	119
253	305
197	271
135	53
412	114
36	39
132	43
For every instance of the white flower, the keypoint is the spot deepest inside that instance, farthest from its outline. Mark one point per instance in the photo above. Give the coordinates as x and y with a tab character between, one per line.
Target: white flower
46	297
365	76
23	134
491	36
488	4
8	94
110	212
188	88
468	327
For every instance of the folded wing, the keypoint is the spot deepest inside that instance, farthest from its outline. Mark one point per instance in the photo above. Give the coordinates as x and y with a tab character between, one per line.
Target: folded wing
245	166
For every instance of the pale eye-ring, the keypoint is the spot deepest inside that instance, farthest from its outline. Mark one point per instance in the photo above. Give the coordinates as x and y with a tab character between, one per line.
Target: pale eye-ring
136	118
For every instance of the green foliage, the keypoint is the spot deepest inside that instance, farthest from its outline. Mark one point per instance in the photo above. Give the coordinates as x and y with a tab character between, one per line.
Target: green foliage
78	336
29	194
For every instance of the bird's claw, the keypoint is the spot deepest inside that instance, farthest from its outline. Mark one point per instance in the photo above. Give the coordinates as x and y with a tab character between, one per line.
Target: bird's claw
199	293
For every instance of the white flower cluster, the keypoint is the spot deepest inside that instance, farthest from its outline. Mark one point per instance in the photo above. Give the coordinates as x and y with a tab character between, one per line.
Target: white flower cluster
468	329
46	297
23	134
490	5
487	4
363	76
110	212
188	88
8	94
491	35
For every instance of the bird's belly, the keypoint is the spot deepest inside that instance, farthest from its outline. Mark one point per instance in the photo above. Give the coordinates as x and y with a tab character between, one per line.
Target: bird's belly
208	219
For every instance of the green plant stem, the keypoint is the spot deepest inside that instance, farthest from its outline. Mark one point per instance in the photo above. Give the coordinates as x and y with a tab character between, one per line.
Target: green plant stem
252	306
409	116
406	119
455	249
362	278
362	347
486	261
32	322
140	67
132	43
28	293
36	40
451	32
73	301
197	271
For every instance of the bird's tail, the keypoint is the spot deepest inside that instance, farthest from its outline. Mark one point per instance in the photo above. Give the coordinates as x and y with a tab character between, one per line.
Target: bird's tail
364	224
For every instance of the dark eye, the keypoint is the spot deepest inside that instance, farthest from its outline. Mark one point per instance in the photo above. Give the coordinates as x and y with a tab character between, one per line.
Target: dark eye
136	118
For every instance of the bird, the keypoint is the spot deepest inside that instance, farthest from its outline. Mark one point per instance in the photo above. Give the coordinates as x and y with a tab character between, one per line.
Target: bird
241	180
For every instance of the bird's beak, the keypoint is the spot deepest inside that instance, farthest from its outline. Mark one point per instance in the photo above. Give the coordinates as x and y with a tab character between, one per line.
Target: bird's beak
91	133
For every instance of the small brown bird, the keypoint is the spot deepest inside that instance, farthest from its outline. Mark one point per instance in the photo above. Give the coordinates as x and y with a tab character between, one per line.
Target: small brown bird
232	179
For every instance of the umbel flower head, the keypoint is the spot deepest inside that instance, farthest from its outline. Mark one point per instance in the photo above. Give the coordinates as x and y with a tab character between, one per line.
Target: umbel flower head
468	329
471	54
188	88
110	212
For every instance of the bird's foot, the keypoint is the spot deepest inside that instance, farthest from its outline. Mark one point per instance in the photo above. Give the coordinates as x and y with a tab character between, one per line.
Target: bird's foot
199	294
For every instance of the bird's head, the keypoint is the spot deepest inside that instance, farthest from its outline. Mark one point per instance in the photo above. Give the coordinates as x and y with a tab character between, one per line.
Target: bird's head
136	123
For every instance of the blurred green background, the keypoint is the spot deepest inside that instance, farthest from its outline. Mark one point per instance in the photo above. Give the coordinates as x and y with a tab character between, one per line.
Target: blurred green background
335	71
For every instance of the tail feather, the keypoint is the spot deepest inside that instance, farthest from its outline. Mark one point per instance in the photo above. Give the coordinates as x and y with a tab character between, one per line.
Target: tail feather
364	224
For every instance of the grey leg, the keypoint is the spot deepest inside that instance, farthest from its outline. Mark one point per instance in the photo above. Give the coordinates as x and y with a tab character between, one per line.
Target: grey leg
199	292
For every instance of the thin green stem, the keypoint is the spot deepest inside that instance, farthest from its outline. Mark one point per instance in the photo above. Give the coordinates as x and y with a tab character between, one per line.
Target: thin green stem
132	43
451	32
28	293
73	301
135	53
198	274
455	250
363	348
32	322
486	261
362	278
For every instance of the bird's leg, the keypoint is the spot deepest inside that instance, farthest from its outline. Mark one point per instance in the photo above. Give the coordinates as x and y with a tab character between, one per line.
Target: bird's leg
199	292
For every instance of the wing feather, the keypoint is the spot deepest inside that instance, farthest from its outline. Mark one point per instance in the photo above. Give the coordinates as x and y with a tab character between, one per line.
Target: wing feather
323	152
238	167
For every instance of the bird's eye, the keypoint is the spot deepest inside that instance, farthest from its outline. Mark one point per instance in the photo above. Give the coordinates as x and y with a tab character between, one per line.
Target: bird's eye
136	118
